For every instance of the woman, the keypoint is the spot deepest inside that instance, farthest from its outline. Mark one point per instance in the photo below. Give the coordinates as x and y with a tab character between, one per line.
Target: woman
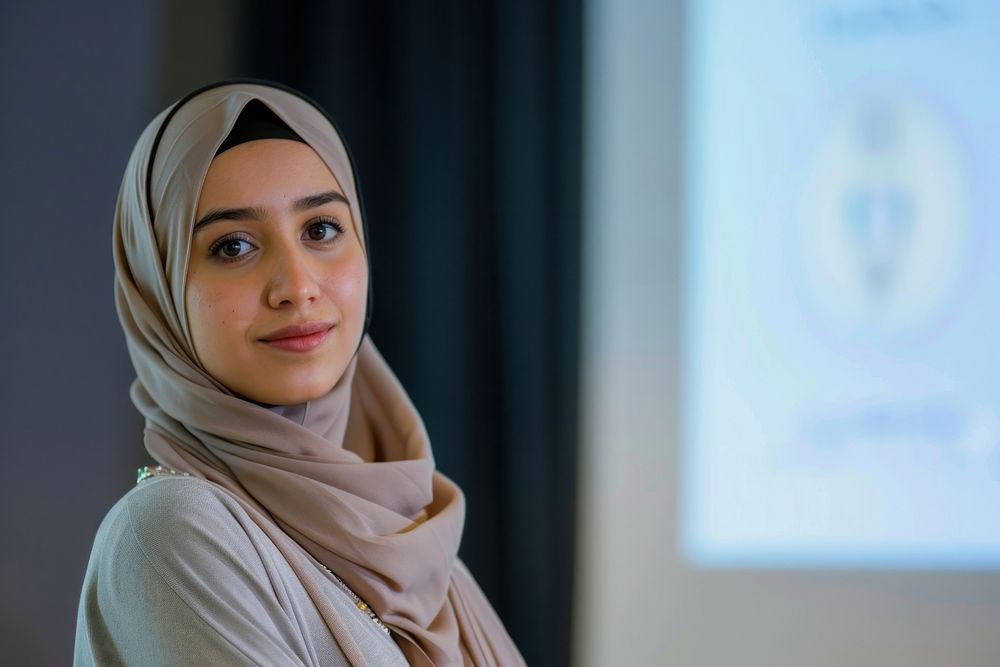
295	517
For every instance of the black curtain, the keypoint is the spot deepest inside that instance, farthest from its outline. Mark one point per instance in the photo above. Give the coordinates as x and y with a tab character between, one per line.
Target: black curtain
465	121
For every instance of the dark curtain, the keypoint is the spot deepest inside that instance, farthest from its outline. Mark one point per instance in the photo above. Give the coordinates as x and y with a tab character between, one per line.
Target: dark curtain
465	121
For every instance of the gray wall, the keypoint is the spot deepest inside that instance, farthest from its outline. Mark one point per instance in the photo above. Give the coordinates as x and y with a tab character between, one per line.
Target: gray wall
79	82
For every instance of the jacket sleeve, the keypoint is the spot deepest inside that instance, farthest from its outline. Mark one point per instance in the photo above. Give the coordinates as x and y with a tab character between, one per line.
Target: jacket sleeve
177	577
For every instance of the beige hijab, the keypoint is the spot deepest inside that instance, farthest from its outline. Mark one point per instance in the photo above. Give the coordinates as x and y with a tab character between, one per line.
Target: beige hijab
349	477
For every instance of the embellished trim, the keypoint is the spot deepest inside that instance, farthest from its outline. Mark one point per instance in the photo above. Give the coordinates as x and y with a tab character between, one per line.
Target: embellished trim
145	472
358	602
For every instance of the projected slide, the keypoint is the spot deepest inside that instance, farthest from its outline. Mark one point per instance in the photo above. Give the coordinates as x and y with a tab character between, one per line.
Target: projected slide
841	348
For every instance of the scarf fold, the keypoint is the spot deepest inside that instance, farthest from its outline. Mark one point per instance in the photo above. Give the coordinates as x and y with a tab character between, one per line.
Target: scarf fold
349	477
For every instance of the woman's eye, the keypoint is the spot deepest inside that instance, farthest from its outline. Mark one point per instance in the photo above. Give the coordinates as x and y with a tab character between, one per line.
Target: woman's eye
325	230
231	248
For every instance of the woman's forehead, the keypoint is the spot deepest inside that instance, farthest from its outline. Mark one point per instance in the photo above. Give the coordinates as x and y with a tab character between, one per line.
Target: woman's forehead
267	170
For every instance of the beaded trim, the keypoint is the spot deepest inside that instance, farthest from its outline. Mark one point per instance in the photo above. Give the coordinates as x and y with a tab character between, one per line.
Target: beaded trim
358	602
146	472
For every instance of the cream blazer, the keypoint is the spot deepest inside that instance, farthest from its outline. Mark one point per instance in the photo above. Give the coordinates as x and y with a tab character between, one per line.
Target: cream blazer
181	575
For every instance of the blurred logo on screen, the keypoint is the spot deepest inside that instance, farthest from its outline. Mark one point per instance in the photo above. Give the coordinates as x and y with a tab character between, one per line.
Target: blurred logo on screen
883	219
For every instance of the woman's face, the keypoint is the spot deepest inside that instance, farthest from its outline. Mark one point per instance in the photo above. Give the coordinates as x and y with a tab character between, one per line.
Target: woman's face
277	282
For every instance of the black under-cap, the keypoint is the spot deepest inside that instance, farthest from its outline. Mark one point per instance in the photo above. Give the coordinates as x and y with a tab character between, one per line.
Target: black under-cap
257	121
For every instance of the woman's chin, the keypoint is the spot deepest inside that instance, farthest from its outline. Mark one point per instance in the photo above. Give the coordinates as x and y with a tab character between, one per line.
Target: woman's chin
287	393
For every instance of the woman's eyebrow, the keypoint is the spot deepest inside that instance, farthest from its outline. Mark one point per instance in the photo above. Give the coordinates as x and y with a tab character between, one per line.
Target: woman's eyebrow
258	213
245	213
312	201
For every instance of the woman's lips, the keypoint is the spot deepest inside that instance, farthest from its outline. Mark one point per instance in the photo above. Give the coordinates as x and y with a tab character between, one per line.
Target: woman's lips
299	337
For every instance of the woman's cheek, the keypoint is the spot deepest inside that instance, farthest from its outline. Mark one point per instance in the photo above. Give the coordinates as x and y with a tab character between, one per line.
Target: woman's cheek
351	288
212	314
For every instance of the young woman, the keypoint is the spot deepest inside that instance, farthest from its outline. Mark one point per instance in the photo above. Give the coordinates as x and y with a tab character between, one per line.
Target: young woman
295	516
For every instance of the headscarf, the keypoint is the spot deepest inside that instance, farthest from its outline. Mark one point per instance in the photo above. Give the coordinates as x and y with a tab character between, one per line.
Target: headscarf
348	477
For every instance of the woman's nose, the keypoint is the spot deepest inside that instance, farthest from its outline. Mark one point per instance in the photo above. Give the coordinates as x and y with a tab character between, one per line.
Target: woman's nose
292	280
